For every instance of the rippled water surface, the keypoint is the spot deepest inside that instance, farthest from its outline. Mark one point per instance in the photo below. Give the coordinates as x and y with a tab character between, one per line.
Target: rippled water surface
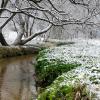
16	78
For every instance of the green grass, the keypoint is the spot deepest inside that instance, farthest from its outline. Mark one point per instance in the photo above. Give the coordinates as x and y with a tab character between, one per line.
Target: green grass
48	69
63	88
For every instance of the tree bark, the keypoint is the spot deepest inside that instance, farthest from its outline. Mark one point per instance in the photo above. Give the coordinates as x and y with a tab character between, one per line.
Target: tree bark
2	39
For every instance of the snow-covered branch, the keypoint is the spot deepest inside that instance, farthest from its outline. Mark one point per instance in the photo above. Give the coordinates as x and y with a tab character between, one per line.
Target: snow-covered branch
36	34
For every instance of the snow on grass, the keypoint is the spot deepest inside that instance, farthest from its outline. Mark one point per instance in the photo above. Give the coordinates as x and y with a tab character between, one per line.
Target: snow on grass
86	52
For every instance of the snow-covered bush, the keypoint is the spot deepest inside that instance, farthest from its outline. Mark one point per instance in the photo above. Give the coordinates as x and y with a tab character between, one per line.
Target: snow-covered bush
48	69
84	80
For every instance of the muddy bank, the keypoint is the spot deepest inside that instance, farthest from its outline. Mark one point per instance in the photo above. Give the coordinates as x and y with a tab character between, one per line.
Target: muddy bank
10	51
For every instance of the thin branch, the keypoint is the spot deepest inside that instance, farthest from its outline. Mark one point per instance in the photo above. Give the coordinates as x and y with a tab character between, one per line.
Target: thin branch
36	17
4	17
77	3
9	10
35	1
55	7
15	26
39	9
26	13
48	21
36	34
31	27
9	19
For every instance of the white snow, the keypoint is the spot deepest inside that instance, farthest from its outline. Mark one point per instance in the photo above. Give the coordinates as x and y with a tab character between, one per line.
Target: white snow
86	52
10	36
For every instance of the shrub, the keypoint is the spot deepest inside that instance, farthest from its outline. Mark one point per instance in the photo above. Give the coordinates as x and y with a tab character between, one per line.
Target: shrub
48	69
84	80
65	88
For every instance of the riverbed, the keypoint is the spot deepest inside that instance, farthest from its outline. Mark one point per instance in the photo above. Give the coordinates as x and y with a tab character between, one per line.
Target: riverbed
17	80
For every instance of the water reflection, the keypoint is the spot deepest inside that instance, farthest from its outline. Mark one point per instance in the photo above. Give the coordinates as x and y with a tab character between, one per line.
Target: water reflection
16	78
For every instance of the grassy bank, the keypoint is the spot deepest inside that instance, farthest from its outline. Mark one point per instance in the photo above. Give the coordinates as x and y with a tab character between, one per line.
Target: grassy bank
10	51
68	71
48	69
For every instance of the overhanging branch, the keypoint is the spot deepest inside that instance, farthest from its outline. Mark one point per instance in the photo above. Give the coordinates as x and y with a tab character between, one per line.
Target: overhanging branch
36	34
78	3
9	19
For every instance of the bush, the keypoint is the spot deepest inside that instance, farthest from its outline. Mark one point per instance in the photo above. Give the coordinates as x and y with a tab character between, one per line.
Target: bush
65	87
48	69
83	80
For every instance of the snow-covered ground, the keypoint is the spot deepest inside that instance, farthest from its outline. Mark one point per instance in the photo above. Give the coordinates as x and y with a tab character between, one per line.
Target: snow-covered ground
87	53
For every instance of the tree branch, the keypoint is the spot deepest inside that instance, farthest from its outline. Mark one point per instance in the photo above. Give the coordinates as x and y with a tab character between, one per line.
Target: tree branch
36	34
8	20
55	7
39	9
77	3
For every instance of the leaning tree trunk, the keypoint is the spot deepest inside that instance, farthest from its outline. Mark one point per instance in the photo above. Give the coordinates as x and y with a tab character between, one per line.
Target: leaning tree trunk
2	39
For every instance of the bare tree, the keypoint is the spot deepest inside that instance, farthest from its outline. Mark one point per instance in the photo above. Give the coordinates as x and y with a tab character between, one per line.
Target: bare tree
28	13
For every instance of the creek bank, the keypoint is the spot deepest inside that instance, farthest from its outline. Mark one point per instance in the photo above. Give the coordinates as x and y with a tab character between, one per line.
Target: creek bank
10	51
83	79
48	69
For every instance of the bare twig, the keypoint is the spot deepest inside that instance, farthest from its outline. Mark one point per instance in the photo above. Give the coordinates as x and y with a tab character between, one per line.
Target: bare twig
8	20
55	7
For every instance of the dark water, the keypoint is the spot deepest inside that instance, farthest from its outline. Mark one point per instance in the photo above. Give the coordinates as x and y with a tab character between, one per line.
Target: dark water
16	78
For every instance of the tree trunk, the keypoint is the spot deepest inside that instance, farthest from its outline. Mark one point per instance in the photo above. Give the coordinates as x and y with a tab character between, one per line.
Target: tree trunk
2	39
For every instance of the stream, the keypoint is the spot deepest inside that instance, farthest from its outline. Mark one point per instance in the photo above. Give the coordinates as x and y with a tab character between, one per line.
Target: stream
16	78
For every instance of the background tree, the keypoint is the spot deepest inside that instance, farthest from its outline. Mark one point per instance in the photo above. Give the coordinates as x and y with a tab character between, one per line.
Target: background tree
26	15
